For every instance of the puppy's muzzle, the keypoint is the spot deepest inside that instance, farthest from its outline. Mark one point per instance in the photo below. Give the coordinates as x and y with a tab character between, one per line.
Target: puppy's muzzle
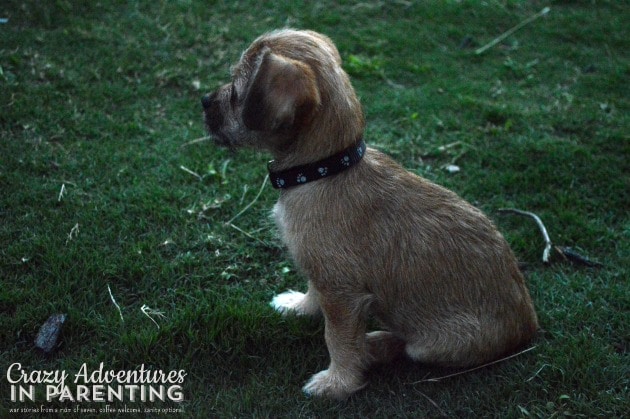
214	118
212	111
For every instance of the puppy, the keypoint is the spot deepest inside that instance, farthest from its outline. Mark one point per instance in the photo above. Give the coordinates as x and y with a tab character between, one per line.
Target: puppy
373	240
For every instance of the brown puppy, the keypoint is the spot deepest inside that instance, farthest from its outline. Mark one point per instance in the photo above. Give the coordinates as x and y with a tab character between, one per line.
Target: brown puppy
372	239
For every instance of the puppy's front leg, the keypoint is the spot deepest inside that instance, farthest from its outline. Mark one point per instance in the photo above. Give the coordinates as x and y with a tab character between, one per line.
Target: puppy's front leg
345	338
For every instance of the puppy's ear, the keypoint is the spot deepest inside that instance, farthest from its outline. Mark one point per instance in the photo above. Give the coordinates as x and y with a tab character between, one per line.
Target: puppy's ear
283	95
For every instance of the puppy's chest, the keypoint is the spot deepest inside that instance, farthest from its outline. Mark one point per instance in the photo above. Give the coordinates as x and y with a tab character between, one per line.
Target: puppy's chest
278	216
295	220
283	221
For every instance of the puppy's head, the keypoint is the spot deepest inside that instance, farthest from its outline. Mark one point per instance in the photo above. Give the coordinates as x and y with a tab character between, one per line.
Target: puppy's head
287	87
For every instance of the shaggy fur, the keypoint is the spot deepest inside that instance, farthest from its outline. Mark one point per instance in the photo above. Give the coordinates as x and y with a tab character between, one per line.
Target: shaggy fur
374	241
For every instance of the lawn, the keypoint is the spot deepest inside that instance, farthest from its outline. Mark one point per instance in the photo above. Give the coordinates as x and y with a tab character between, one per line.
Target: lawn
115	213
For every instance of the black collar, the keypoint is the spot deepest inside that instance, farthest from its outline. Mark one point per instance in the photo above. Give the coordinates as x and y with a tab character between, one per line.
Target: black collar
310	172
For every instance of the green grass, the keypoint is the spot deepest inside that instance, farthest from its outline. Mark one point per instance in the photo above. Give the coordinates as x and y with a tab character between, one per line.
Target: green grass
102	96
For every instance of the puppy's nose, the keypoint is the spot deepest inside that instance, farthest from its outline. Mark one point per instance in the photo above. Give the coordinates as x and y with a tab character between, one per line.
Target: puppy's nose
206	101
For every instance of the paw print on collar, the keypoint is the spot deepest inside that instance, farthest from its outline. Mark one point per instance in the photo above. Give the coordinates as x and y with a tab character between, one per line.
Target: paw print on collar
360	151
345	160
301	178
323	171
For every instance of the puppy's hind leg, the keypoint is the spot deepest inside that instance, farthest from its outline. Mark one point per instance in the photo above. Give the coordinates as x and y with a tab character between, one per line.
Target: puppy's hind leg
383	346
455	342
294	302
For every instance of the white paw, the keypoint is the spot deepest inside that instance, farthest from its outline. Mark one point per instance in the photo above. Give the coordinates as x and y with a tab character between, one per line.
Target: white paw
288	301
327	384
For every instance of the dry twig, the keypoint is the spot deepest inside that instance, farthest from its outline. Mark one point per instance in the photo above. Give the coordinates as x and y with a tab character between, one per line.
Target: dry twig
148	311
62	192
74	232
111	296
510	31
190	172
195	141
436	379
541	226
568	253
248	206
